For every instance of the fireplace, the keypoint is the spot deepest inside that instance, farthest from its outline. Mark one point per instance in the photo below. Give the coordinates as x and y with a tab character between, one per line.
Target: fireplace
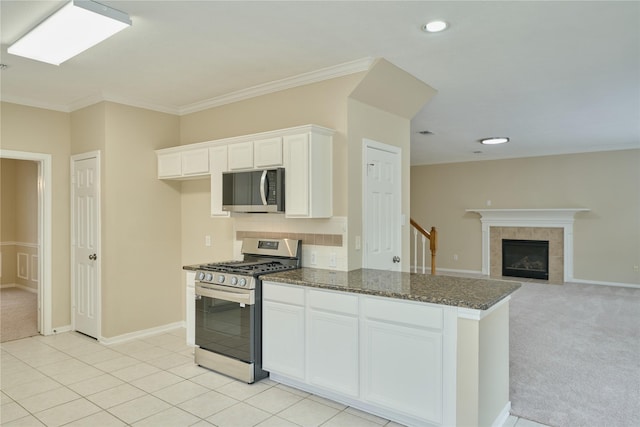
525	258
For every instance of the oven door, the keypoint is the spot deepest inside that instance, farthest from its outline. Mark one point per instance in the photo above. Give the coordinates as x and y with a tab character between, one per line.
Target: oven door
225	321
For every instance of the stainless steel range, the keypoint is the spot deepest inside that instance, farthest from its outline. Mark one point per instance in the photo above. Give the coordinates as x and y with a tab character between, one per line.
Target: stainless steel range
229	307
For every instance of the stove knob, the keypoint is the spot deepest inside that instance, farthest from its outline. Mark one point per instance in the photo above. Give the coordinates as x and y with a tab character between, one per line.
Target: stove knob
243	281
221	279
234	280
201	275
208	277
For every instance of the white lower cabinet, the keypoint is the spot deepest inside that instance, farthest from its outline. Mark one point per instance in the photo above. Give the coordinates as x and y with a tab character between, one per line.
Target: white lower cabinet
283	330
333	355
390	357
402	369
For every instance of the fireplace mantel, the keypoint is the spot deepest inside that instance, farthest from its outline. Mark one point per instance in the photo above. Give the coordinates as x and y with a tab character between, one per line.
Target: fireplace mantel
528	215
560	218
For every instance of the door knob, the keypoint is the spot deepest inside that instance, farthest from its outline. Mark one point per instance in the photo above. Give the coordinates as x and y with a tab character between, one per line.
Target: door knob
93	257
396	258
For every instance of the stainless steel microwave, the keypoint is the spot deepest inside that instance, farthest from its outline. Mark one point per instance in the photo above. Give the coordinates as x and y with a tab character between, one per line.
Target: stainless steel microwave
253	191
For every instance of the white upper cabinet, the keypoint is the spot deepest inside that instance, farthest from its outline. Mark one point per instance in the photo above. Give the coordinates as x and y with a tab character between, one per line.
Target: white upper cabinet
267	153
259	154
306	153
183	163
169	165
217	165
308	163
241	156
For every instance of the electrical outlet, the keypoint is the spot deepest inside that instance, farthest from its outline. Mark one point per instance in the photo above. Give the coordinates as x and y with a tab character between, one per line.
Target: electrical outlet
358	243
455	257
488	202
314	258
332	260
207	240
636	268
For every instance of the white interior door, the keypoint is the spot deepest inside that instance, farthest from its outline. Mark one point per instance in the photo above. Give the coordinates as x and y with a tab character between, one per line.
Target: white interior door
85	243
381	207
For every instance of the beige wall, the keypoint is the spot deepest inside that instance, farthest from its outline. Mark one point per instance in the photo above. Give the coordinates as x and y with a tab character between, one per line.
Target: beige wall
372	123
19	229
323	103
606	239
140	216
8	200
141	234
43	131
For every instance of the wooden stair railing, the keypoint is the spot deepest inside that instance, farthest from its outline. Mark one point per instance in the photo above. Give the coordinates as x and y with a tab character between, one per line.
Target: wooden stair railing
433	246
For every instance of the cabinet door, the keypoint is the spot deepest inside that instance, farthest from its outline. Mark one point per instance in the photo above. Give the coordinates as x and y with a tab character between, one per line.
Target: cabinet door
241	156
332	361
217	165
195	162
267	152
296	151
169	165
283	339
402	369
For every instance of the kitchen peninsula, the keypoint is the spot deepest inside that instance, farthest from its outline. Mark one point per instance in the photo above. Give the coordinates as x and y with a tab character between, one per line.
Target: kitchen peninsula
413	348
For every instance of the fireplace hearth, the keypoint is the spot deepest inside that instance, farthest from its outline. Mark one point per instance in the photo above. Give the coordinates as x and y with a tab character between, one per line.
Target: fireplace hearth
525	258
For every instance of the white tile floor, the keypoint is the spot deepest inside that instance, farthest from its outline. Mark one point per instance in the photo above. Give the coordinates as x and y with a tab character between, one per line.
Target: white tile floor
71	380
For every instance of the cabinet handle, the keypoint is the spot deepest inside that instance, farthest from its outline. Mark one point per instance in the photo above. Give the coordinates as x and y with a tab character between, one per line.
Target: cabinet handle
396	259
93	257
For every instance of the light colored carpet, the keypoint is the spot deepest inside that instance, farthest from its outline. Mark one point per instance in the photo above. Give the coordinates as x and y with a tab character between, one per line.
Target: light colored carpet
19	315
575	355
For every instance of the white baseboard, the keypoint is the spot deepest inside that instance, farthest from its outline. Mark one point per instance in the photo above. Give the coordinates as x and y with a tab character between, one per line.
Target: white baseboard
453	270
141	334
447	270
16	285
503	416
597	282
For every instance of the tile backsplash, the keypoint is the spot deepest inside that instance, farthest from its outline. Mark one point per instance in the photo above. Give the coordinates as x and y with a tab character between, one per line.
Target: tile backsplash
323	238
307	238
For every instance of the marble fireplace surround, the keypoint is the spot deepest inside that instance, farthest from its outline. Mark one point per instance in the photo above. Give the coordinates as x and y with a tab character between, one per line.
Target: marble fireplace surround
541	219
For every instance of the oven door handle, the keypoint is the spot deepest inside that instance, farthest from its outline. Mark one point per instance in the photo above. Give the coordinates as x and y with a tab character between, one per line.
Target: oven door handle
241	296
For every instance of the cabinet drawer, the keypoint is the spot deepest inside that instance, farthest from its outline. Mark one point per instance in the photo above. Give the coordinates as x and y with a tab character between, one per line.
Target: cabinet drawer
284	294
336	302
401	312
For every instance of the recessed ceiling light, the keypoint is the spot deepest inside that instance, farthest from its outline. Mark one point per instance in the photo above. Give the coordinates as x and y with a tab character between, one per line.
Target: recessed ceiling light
434	26
494	140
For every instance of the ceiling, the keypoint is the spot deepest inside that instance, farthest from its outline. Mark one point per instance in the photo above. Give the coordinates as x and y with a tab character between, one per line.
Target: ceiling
554	76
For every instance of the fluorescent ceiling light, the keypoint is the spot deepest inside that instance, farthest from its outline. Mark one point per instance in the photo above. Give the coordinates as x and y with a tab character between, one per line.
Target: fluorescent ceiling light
494	140
74	28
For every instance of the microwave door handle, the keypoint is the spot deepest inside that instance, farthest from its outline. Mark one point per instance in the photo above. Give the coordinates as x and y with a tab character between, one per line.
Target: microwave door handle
263	180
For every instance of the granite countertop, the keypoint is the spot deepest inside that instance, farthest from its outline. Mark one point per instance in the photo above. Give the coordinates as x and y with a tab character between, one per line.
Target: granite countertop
478	294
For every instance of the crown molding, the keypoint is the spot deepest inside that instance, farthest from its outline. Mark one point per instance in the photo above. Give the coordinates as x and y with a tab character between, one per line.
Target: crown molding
102	97
316	76
290	82
28	102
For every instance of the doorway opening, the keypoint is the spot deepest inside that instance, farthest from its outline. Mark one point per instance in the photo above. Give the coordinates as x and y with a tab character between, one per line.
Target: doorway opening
37	265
